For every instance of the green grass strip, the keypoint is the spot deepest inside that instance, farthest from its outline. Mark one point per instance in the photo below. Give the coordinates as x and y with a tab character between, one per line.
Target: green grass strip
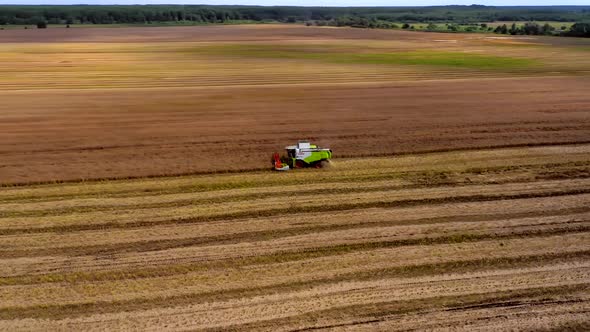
425	57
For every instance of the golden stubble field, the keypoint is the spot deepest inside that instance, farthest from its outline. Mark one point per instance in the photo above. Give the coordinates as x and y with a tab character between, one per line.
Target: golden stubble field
490	239
459	198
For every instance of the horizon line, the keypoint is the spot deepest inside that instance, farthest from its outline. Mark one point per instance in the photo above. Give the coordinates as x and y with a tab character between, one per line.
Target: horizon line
242	5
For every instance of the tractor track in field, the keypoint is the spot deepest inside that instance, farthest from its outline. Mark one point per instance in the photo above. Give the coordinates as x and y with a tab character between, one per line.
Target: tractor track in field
492	314
409	306
405	179
413	304
265	169
129	266
105	248
211	194
403	182
296	210
465	270
404	269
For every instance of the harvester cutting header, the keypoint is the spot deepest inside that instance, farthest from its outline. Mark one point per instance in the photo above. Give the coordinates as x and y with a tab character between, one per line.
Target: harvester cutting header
302	155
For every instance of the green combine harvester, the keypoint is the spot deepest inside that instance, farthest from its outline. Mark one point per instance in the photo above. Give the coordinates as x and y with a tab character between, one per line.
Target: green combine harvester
302	155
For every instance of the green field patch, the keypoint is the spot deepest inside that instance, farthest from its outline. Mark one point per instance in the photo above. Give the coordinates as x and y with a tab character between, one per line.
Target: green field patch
333	55
437	58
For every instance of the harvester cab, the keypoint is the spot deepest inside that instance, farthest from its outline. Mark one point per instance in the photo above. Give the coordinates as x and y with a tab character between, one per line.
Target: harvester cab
302	155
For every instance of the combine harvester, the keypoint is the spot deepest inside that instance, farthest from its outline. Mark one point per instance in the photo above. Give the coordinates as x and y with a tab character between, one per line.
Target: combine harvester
302	155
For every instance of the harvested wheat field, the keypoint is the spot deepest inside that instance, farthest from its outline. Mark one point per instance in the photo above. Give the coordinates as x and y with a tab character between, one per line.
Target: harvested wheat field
135	190
487	239
135	102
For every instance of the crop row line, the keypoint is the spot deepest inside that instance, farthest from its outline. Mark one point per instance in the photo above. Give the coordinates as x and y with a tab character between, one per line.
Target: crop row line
382	311
277	257
341	156
58	311
420	179
252	236
292	210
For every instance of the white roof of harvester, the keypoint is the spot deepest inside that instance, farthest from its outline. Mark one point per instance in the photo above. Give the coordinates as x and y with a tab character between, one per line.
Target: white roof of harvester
303	145
300	145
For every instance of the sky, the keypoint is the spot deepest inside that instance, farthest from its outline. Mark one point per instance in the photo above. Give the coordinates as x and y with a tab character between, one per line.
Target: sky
359	3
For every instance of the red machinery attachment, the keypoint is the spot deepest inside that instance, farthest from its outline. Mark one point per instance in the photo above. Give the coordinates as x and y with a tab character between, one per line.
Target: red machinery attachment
279	166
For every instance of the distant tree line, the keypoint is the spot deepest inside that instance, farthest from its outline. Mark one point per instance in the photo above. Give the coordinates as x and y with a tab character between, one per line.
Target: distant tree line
18	14
119	14
361	17
579	30
528	28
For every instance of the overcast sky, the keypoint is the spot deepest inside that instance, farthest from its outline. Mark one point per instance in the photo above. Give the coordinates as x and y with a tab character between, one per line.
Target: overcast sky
309	2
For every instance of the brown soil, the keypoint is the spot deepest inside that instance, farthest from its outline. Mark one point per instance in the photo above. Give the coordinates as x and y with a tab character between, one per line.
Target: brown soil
159	131
87	110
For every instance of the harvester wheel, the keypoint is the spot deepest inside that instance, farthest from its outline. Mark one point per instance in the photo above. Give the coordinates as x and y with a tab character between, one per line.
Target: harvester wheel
325	164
